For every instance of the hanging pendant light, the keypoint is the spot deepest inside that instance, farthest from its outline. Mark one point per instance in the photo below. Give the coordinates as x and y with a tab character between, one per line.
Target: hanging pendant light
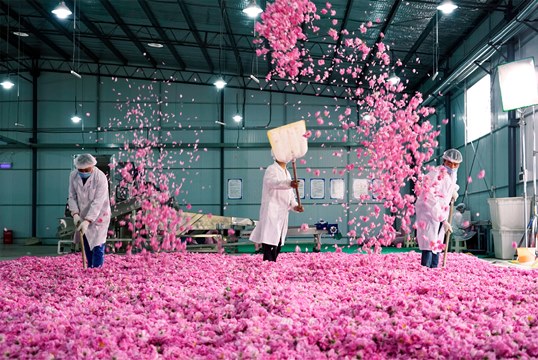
7	84
447	7
393	79
220	83
61	11
252	10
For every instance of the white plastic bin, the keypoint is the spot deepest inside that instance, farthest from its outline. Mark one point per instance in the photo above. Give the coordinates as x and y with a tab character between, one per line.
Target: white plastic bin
502	242
508	213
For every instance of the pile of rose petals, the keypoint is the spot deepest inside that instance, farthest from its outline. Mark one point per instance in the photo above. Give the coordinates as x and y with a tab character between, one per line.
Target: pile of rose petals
305	306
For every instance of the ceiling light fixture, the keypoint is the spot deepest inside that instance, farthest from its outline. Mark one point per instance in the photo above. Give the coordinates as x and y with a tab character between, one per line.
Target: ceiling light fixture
7	84
447	7
366	117
155	45
76	119
393	79
20	33
237	118
252	10
62	11
220	83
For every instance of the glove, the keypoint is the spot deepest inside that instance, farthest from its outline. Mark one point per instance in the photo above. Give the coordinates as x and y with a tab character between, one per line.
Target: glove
299	208
83	227
447	226
455	196
76	219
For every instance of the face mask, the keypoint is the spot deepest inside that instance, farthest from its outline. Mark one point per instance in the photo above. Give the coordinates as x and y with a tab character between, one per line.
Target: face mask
450	171
84	175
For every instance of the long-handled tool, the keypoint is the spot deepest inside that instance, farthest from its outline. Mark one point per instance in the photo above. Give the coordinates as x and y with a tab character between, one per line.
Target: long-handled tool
289	143
447	234
81	237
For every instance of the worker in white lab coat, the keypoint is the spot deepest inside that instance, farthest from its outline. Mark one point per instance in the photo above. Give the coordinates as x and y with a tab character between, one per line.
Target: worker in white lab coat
277	200
433	207
90	207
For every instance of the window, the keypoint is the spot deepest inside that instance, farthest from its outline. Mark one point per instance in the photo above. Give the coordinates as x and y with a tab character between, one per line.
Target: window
478	106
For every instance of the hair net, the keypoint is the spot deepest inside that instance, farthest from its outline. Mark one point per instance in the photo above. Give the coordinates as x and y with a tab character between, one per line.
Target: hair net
453	155
84	161
461	207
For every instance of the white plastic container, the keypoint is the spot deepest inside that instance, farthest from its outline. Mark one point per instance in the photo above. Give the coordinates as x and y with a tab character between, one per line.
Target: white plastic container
508	213
502	242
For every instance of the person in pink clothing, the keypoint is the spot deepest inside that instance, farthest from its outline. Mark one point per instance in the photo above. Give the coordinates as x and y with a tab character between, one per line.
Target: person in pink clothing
433	206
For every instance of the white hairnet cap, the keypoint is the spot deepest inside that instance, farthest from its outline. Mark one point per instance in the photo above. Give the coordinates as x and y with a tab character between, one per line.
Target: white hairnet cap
453	155
84	161
461	207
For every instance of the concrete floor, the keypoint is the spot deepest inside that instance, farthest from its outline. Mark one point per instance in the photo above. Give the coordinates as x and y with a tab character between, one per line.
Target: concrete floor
15	251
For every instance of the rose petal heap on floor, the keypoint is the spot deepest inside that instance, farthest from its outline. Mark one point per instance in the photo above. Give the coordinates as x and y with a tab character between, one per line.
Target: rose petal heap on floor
305	306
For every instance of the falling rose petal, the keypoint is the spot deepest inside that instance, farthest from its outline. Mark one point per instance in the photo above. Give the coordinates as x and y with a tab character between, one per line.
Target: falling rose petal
481	174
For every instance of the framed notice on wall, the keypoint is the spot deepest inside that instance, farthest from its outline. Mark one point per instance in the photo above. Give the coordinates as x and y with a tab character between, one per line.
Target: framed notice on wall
317	188
360	187
235	189
337	189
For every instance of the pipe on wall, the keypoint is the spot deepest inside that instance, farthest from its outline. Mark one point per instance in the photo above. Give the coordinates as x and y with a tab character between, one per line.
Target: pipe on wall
485	51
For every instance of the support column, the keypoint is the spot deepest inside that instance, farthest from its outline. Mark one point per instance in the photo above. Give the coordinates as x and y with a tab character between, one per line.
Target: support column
512	135
33	142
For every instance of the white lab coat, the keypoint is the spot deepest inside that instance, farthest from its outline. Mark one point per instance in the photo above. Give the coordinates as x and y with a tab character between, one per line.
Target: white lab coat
92	203
277	200
432	208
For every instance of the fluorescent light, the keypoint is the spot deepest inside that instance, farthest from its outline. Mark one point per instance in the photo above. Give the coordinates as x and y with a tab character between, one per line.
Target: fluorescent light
237	118
155	45
220	83
6	165
74	73
393	79
447	7
62	11
255	78
76	119
252	9
7	84
219	122
20	33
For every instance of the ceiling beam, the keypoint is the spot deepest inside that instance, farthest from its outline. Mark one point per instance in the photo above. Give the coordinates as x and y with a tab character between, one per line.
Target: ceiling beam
222	5
390	16
349	5
117	18
91	26
151	16
196	34
45	14
434	20
35	32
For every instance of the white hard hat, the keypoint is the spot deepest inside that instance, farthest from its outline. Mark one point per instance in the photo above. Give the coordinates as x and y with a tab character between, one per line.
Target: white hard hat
84	161
453	155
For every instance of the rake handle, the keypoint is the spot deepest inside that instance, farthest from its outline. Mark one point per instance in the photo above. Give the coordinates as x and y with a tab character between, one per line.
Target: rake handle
84	264
294	166
447	234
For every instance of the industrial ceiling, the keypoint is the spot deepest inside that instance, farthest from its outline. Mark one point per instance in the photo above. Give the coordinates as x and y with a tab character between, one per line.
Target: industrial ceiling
207	38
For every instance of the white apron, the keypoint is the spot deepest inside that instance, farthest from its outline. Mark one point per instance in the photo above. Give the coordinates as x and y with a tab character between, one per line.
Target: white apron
91	202
277	200
433	207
